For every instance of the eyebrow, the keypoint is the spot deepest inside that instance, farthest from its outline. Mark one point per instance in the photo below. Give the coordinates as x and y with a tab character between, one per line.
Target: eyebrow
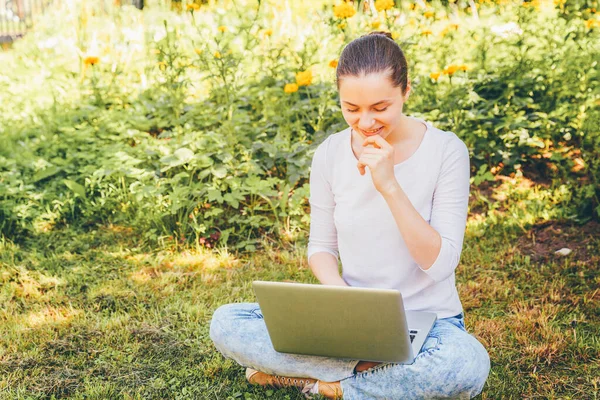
372	105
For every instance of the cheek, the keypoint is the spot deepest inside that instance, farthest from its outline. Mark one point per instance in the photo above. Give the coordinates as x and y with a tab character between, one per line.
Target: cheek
350	118
393	118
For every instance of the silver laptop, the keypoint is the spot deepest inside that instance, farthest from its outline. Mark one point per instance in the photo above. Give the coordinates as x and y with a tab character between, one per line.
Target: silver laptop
345	322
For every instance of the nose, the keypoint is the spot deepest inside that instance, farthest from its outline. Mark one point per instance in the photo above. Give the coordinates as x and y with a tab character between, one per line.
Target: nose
366	121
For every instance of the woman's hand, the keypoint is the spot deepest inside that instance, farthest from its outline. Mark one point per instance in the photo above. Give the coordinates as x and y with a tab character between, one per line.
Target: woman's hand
380	160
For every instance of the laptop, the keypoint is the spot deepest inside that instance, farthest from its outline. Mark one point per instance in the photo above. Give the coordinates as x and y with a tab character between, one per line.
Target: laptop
352	323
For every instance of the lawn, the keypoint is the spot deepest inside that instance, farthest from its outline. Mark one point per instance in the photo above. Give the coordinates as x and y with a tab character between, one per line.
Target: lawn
95	314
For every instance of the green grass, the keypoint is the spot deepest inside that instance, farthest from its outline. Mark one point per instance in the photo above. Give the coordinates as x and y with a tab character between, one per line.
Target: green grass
93	314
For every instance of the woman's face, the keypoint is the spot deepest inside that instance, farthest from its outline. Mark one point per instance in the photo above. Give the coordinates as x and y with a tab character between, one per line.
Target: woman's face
371	105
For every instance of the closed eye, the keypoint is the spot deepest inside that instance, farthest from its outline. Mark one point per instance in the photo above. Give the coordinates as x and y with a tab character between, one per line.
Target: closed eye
376	109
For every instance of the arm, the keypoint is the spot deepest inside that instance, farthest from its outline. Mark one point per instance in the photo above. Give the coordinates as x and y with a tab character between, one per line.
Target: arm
325	267
436	246
422	240
322	242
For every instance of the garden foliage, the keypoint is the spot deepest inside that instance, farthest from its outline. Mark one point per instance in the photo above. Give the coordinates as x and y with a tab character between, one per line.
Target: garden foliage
199	125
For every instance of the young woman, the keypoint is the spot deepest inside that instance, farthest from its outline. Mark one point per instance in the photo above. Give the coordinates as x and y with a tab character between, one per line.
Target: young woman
389	196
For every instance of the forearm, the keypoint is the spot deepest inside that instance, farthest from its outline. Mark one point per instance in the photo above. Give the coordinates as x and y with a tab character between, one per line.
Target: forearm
325	267
423	241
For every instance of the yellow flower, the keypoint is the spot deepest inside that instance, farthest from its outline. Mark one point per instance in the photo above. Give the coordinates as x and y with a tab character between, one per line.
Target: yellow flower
91	60
155	51
193	7
412	22
426	32
533	3
84	19
375	23
428	14
290	88
451	69
434	75
198	51
217	54
344	10
333	63
222	29
382	5
162	65
591	23
304	78
395	35
463	67
268	32
342	25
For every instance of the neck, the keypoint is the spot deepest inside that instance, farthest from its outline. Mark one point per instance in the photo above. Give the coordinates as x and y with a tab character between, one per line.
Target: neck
403	132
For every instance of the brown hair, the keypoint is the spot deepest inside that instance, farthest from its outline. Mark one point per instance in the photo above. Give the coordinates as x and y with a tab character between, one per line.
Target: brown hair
372	53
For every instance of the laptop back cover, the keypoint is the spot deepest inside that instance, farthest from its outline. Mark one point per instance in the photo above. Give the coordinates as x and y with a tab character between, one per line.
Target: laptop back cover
335	321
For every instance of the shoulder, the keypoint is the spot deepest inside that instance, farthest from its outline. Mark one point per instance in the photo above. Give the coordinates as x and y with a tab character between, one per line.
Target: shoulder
447	144
331	144
335	139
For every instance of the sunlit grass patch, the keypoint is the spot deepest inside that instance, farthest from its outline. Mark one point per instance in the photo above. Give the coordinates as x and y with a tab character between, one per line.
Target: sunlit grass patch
515	203
203	260
535	331
49	316
21	289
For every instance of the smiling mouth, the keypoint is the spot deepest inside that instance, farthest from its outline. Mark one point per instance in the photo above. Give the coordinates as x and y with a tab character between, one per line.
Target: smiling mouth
372	132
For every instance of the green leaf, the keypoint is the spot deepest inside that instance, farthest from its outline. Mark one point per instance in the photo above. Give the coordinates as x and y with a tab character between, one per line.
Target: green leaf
213	212
231	200
214	194
45	173
184	155
204	173
220	172
75	187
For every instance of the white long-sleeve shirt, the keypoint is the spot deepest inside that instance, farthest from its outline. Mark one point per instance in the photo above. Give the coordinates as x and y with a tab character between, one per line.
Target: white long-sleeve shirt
351	219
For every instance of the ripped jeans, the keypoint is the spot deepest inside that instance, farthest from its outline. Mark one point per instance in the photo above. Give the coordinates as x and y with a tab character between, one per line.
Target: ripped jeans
451	364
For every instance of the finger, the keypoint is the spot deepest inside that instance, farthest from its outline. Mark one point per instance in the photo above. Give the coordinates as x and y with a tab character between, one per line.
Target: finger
371	158
377	141
374	150
362	164
361	168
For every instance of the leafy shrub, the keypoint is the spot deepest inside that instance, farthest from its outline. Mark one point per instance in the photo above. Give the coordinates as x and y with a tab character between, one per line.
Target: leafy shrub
179	125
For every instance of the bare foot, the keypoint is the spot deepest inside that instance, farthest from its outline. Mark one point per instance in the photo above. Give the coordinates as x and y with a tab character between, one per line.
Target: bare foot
365	365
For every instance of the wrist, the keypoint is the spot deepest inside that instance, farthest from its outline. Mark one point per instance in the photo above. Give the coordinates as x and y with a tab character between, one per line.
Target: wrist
391	190
334	281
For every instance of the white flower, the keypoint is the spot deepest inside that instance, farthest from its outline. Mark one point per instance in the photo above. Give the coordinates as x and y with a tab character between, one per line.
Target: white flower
507	30
49	43
160	35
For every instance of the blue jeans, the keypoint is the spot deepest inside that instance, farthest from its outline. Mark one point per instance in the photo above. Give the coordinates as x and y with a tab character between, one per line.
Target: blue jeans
452	363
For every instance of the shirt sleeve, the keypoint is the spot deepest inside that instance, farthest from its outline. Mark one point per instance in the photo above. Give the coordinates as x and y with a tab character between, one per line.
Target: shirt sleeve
449	209
323	234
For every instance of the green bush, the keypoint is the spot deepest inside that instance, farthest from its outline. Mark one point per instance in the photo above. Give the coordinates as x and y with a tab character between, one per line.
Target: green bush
181	128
